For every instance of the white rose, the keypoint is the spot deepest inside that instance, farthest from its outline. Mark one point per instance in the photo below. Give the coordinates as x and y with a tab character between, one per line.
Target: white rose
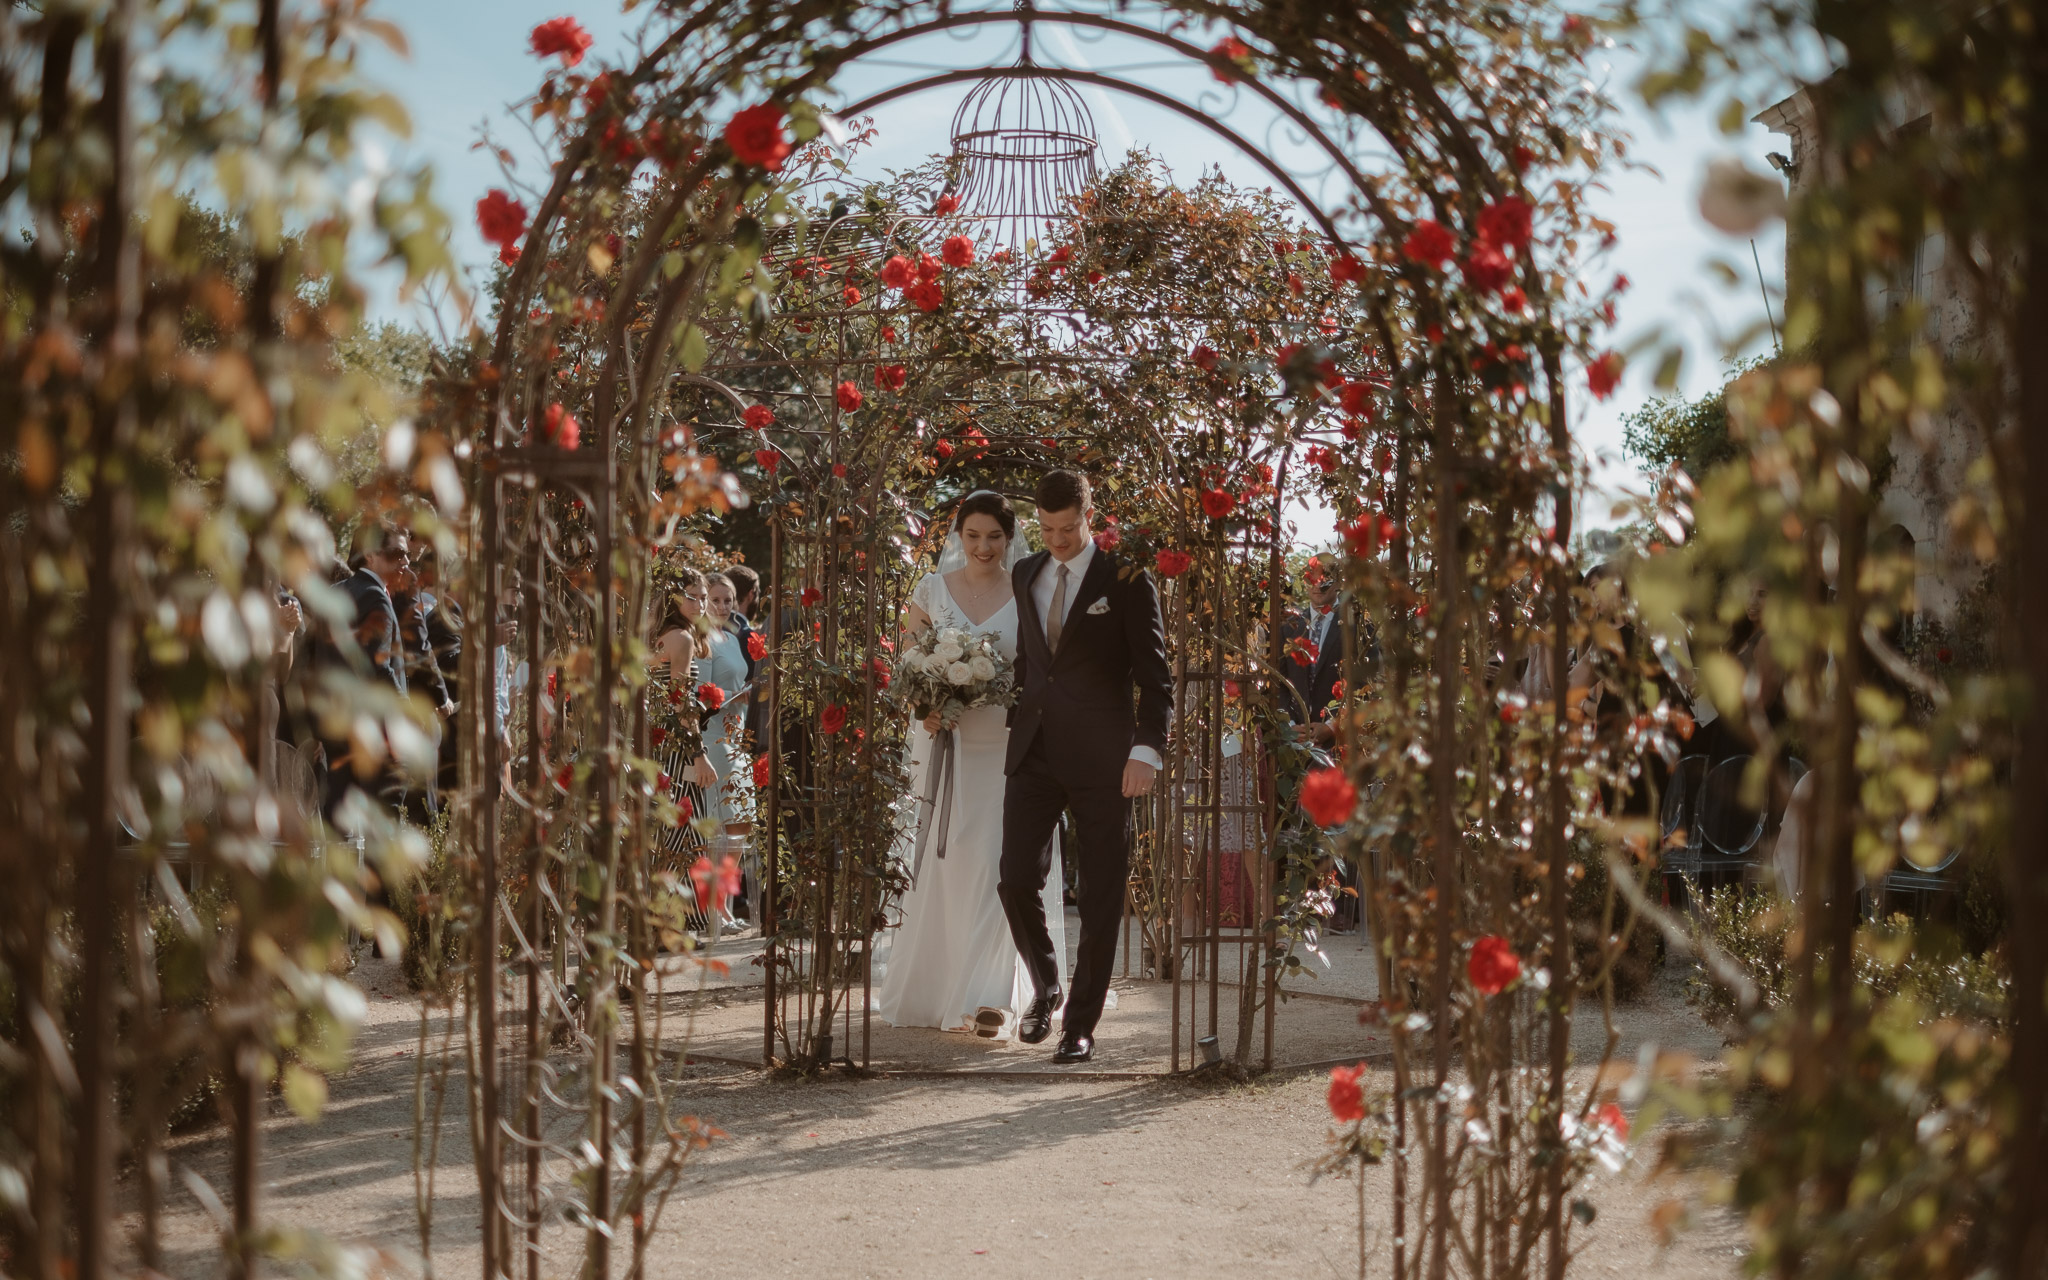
959	673
982	668
948	651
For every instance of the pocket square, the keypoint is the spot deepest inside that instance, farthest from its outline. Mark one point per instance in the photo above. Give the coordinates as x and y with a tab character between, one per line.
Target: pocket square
1100	606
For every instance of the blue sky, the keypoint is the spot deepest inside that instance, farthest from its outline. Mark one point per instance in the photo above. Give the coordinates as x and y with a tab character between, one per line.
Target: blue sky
469	61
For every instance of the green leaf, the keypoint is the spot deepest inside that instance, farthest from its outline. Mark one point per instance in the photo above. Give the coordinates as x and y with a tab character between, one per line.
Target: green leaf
692	349
305	1092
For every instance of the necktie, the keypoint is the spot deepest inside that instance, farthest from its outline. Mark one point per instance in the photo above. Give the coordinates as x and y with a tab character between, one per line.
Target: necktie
1055	617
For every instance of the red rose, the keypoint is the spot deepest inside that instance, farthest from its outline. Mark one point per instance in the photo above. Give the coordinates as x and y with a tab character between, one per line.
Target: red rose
832	719
1347	1097
1204	358
501	218
1328	797
686	809
1521	157
839	471
849	396
1487	269
927	295
1218	503
880	669
762	766
1230	54
656	737
564	36
897	273
1171	563
711	696
1337	691
942	450
757	648
1064	253
888	333
1321	458
662	782
1493	965
562	429
1610	1116
768	460
850	295
1510	712
1604	374
758	417
1109	538
1356	397
890	377
1345	269
1513	300
946	205
1620	284
1507	223
929	268
1430	243
509	255
958	251
809	596
756	138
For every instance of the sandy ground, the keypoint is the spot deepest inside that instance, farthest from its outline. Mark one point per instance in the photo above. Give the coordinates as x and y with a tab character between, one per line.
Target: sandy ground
1060	1174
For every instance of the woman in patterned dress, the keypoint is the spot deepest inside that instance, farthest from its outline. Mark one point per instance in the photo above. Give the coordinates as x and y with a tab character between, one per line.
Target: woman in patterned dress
673	677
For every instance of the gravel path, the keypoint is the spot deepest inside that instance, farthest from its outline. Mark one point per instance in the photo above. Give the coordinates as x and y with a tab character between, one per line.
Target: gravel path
931	1177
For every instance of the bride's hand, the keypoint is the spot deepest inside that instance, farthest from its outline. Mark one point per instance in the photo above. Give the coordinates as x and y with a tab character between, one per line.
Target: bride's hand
931	724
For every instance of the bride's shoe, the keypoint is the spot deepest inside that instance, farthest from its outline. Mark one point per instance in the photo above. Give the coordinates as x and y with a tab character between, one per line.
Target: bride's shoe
1036	1024
989	1022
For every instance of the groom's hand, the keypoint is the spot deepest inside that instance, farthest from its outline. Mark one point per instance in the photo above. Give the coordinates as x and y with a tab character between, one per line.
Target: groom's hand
1137	778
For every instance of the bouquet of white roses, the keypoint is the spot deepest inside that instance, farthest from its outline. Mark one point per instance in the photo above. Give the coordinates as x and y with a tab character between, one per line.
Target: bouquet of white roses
949	672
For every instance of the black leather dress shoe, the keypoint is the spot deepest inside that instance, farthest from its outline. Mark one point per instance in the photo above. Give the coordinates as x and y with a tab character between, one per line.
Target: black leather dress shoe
1074	1048
1035	1024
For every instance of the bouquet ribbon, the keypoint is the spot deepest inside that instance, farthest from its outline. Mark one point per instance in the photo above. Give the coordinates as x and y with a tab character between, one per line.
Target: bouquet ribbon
938	792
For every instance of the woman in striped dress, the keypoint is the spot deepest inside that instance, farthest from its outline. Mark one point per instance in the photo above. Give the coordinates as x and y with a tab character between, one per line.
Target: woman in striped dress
672	684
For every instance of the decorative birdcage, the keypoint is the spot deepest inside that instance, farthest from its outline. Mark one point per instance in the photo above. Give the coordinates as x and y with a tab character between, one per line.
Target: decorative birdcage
1024	146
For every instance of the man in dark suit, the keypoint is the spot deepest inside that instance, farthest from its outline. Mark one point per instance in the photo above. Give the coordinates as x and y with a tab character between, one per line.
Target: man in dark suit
1314	655
374	650
1089	637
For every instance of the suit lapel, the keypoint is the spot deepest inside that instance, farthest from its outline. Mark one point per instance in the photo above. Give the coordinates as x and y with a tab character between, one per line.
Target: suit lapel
1030	626
1094	586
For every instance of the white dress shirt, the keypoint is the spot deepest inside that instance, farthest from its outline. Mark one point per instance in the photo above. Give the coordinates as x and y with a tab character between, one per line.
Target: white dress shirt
1042	588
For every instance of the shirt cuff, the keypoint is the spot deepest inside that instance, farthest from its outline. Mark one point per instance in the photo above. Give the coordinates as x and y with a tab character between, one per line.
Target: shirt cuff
1146	755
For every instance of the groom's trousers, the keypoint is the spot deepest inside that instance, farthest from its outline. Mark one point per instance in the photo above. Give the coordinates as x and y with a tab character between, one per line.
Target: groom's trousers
1032	804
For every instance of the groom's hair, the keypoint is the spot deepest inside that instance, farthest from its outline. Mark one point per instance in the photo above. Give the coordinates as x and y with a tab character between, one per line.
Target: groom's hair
1063	491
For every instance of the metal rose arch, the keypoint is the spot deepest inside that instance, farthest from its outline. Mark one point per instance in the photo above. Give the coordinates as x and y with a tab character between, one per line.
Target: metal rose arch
1400	358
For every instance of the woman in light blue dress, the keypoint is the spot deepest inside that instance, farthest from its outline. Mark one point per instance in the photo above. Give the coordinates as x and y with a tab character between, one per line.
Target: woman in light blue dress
725	665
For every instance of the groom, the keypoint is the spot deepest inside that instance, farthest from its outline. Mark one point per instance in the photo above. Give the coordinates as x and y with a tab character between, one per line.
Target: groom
1089	636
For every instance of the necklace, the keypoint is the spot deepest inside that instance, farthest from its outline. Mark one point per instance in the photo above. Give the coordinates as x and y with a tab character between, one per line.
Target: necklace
982	594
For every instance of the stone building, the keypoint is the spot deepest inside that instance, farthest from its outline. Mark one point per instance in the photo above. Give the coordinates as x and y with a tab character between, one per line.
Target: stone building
1931	465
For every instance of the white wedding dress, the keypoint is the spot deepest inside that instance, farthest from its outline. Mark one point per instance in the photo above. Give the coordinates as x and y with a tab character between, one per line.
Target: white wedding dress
952	956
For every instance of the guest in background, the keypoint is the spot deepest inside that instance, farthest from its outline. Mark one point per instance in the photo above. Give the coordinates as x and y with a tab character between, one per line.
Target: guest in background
722	663
374	651
443	617
746	587
414	608
1315	665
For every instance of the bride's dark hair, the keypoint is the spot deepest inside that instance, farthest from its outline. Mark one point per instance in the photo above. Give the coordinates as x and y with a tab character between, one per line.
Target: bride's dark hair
993	505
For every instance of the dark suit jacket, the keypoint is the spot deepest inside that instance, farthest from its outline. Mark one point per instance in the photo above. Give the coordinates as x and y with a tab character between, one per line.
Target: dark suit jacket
1316	685
1081	697
379	651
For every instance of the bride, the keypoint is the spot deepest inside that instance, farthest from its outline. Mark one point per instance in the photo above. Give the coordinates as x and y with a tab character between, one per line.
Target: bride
953	965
